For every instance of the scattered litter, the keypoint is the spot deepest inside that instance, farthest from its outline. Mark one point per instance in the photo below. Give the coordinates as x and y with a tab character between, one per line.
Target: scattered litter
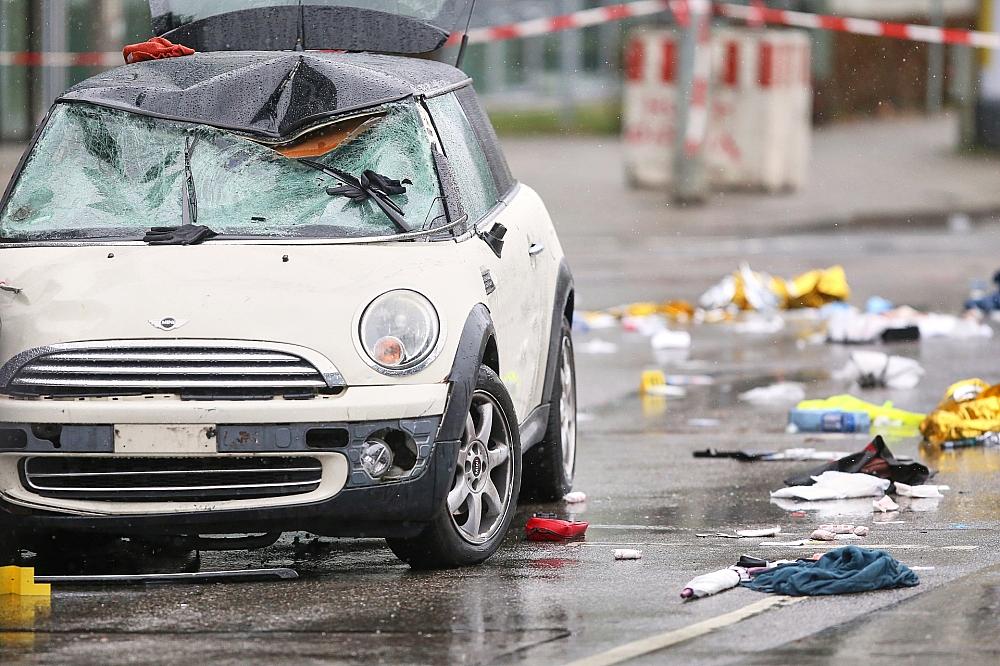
759	325
922	568
970	409
689	380
872	369
775	393
646	325
818	420
667	339
903	324
875	459
546	527
667	391
575	497
980	300
899	422
628	554
878	305
859	530
922	491
766	532
836	485
703	423
885	505
597	347
799	454
751	290
594	321
841	571
713	583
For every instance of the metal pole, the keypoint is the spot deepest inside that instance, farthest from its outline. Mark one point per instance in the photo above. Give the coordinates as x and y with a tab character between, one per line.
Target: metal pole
690	181
570	65
54	39
935	62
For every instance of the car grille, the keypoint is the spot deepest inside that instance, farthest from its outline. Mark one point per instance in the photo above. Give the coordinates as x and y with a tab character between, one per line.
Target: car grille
170	479
193	372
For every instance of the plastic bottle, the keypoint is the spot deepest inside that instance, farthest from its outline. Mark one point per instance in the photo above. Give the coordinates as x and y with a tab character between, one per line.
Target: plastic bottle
817	420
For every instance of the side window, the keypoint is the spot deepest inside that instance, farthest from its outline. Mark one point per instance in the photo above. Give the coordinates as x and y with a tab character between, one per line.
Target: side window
468	161
487	138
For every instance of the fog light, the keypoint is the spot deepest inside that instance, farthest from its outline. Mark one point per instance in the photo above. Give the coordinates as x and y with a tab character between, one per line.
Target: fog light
376	457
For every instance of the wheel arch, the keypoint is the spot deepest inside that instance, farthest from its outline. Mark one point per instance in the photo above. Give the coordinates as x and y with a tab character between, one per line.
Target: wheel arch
476	346
562	306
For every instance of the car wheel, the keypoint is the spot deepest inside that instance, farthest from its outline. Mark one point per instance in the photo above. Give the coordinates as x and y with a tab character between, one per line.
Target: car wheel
550	465
484	490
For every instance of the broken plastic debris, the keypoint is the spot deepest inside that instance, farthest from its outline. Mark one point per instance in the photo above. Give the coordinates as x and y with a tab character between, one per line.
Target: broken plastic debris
546	527
712	583
823	535
628	554
667	339
885	505
575	497
775	393
969	409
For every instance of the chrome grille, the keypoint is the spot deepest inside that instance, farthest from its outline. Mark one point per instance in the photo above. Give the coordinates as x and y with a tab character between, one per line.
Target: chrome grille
217	478
192	371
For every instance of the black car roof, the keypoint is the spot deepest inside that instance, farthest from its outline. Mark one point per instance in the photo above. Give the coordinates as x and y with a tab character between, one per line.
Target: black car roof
271	95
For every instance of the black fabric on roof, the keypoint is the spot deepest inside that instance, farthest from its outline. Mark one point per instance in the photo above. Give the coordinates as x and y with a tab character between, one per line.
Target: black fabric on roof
268	94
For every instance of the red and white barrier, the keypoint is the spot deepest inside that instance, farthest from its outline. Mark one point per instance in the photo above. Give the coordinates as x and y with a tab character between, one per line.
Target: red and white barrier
755	14
758	117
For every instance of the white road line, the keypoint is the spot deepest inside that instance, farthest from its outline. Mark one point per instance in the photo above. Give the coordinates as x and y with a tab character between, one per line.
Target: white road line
667	639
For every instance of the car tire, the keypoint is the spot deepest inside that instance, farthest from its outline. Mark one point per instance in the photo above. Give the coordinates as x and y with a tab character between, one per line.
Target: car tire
486	482
550	465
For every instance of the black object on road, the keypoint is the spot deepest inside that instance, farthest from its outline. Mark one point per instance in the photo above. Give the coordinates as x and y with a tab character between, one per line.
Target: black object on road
875	459
745	456
902	334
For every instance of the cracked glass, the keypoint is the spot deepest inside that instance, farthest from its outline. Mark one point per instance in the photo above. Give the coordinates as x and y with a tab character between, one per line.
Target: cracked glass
101	173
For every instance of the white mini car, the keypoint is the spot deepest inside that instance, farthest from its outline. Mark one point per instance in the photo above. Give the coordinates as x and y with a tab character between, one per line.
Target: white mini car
286	283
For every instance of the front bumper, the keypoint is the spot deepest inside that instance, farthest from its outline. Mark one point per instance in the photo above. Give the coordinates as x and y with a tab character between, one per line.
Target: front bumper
346	503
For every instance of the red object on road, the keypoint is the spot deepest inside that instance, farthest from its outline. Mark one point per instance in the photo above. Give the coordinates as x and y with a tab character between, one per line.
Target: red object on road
540	528
154	49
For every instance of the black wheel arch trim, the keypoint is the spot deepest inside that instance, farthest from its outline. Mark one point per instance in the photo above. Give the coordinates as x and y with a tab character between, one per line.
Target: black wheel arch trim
561	306
472	346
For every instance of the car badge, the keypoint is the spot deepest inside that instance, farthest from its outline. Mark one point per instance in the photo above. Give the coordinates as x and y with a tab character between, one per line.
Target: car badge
167	323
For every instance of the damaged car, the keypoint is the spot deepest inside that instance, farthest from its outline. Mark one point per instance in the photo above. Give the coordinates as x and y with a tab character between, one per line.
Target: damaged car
286	283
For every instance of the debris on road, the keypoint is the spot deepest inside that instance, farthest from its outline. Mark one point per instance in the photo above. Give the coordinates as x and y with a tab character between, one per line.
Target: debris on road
767	531
872	369
628	554
902	324
751	290
775	393
841	571
836	485
668	339
885	416
597	347
819	420
713	583
875	459
970	409
799	455
828	532
575	497
654	383
983	301
885	505
547	527
920	492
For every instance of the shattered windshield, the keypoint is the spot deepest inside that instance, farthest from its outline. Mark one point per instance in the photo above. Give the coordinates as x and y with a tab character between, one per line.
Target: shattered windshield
100	173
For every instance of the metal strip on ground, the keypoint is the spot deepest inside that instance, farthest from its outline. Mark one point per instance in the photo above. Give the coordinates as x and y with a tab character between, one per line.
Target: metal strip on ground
667	639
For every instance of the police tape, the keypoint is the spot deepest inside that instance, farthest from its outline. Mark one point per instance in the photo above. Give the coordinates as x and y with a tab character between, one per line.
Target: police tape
754	14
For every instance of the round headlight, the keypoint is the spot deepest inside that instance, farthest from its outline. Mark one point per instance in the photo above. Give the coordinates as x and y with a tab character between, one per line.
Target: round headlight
399	330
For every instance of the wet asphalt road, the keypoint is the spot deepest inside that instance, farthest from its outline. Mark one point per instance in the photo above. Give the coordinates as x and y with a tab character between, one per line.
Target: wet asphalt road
355	603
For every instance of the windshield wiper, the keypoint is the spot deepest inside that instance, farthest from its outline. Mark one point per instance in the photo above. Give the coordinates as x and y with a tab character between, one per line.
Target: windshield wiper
370	186
189	212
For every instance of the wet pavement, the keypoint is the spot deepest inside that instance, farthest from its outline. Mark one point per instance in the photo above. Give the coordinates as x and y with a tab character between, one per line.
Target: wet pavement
553	603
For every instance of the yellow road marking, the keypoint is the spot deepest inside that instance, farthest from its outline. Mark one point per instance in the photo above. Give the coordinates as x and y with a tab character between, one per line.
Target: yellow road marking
667	639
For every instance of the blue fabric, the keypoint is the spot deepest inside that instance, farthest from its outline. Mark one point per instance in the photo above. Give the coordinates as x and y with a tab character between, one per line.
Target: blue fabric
841	571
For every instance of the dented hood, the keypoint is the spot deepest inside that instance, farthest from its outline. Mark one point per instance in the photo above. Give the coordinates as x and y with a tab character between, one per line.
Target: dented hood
409	27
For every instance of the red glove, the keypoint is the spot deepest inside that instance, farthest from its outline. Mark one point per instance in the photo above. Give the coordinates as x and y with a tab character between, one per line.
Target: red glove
154	49
553	529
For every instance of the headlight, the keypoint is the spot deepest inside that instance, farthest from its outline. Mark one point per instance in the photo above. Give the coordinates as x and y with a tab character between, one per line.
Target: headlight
399	330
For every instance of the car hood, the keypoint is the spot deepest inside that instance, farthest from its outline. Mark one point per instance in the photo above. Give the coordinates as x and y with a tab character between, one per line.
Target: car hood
307	295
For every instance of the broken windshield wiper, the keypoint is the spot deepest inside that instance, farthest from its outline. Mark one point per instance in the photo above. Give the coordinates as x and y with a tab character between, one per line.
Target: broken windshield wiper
189	194
370	186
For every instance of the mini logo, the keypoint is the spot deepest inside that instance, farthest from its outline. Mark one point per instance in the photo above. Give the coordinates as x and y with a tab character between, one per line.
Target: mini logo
167	323
477	467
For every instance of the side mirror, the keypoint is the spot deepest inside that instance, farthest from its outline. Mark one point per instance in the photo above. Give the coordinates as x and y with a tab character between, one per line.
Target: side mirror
494	238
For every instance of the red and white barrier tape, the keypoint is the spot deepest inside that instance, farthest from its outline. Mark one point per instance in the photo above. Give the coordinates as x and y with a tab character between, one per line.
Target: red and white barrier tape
754	14
911	32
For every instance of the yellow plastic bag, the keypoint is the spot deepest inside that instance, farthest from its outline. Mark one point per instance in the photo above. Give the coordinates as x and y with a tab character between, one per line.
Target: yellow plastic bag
881	415
968	409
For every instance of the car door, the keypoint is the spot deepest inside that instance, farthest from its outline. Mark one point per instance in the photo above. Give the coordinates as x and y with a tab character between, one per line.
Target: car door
514	300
